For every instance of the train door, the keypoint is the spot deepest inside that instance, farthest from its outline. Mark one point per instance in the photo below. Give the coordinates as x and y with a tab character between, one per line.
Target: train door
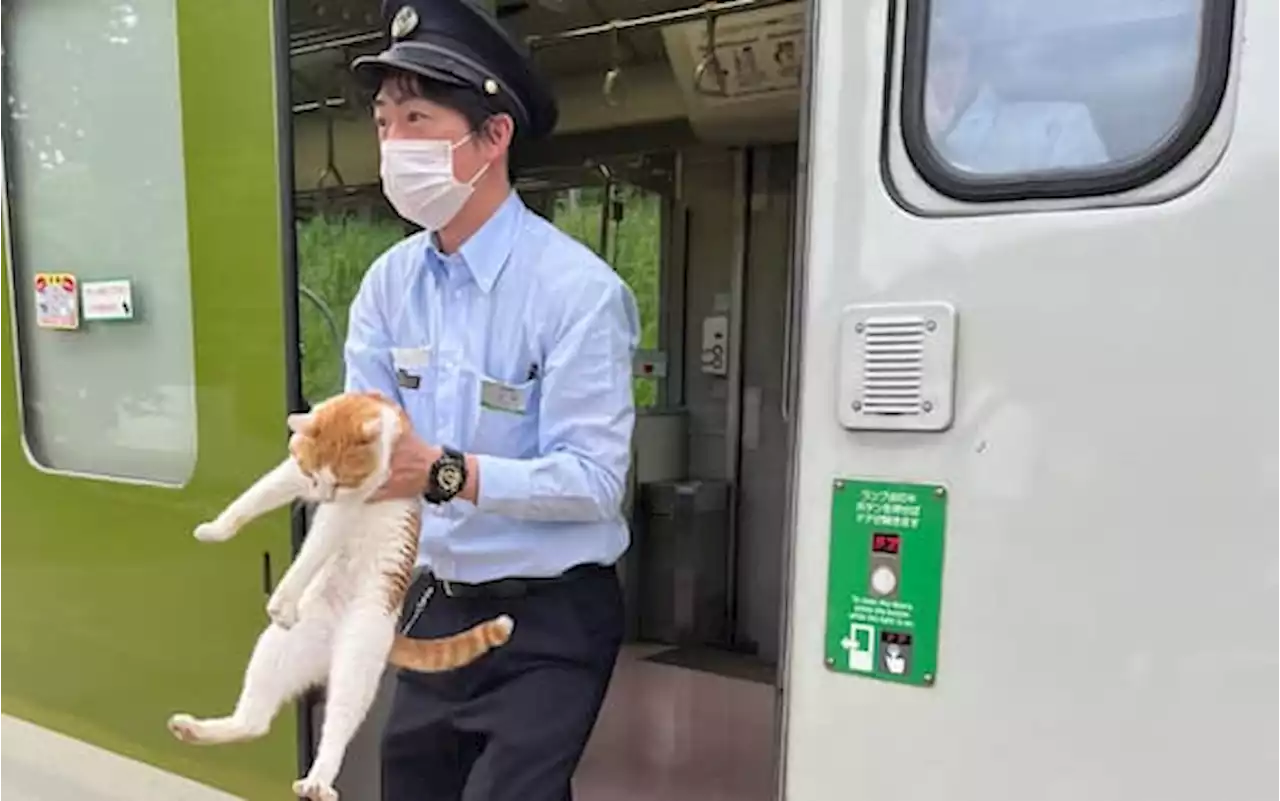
143	387
689	193
764	400
1035	512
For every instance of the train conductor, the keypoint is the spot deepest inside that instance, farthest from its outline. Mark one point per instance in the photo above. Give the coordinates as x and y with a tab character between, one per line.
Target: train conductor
510	346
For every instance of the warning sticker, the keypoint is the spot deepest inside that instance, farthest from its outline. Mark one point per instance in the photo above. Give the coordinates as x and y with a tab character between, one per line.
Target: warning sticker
57	301
108	300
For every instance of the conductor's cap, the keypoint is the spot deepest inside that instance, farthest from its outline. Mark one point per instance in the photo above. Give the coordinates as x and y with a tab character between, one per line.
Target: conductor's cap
460	43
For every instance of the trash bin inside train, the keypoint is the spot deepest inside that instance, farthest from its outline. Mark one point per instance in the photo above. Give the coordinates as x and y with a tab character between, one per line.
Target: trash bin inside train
683	561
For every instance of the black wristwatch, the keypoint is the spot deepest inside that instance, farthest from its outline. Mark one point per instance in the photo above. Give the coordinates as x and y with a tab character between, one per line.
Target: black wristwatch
447	477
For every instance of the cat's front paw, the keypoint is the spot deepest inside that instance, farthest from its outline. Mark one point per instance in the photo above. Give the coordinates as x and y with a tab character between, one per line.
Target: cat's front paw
282	610
214	532
314	790
185	727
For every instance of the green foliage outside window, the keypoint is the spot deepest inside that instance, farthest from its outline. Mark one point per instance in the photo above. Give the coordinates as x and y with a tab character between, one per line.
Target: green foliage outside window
334	251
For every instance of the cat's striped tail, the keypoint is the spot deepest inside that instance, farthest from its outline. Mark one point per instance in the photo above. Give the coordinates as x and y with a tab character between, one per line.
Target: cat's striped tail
438	654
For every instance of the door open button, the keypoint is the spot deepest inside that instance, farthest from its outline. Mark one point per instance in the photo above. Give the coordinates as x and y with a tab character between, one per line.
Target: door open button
883	580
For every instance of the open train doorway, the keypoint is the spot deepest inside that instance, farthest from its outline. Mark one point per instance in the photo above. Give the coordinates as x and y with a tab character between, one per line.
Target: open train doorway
676	161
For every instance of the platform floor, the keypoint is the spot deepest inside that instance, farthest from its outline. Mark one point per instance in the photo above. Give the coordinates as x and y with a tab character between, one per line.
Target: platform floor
37	764
668	732
673	733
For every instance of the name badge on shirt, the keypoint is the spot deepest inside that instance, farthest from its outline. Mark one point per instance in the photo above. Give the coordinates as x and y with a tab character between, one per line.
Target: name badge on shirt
409	364
502	398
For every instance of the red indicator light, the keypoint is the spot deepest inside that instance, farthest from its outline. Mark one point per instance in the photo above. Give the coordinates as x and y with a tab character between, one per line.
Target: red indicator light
886	543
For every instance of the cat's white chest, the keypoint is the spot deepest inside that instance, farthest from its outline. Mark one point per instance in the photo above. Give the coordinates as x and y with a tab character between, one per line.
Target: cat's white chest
371	537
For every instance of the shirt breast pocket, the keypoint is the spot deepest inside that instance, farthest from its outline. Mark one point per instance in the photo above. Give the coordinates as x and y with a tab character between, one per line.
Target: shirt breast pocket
506	417
414	378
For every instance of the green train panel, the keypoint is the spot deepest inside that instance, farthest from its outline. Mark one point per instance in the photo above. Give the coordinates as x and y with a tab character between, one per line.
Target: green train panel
142	164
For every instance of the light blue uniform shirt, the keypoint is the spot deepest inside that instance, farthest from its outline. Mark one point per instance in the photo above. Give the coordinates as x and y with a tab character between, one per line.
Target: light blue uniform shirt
517	349
994	137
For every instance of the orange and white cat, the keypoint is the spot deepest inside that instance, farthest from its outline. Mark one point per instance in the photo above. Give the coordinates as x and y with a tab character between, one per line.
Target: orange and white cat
334	612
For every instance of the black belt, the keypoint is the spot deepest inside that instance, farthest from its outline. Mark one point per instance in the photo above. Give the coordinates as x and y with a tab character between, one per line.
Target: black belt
511	587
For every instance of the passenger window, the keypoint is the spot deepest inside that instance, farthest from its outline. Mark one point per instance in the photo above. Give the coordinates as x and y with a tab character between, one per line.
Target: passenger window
94	183
335	247
622	223
1007	95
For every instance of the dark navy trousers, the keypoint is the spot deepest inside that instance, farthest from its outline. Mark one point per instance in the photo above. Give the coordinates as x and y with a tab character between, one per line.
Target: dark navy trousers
512	725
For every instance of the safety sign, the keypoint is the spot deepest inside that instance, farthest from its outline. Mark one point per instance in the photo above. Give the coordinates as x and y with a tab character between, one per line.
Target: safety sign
57	301
108	300
884	587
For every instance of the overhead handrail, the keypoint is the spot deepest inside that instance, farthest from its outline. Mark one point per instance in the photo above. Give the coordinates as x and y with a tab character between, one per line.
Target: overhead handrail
710	62
614	74
336	43
560	37
649	20
616	211
330	168
319	105
604	207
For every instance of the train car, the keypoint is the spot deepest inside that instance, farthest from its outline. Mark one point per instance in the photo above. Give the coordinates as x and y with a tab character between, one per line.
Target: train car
955	467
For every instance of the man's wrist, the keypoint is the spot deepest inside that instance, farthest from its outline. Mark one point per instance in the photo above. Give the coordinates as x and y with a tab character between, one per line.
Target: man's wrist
471	489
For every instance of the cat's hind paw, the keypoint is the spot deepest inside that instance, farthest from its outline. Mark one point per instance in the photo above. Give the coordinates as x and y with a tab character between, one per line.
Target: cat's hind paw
314	790
282	611
214	532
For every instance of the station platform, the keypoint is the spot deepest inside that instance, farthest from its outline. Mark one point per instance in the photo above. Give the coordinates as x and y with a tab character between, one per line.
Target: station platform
678	725
37	764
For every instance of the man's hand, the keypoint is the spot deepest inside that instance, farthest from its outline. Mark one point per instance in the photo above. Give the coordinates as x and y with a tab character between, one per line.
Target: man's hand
411	462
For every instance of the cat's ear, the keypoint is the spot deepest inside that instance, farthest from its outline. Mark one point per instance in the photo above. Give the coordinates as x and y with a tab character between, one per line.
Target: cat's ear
298	422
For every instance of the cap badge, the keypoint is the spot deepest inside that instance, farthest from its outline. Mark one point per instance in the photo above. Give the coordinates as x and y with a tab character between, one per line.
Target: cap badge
490	86
405	20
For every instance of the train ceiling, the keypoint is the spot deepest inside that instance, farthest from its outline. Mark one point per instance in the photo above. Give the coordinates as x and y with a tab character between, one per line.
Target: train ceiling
326	34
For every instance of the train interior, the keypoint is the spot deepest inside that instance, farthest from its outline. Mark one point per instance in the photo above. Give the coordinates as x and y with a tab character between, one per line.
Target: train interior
680	169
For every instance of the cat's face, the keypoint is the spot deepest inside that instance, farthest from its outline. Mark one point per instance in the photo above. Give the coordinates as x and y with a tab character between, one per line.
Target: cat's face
343	445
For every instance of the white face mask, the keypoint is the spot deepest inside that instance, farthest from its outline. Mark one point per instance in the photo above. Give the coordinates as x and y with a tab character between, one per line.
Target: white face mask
417	178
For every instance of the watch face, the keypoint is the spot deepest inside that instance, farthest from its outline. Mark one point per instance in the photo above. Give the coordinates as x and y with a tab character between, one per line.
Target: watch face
450	478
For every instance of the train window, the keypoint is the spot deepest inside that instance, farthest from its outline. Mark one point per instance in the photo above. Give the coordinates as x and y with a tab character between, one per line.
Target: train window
622	223
1011	99
335	247
94	182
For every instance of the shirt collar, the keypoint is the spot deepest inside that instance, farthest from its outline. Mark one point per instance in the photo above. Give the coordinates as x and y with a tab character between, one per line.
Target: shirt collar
485	252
